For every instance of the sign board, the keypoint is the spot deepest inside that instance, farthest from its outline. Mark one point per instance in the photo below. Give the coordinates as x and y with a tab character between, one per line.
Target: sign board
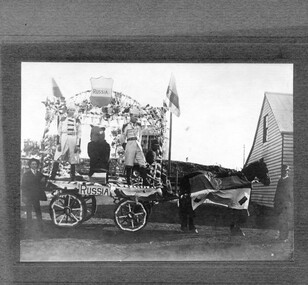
93	189
101	91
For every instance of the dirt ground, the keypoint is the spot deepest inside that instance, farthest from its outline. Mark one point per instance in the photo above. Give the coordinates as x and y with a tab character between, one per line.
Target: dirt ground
98	239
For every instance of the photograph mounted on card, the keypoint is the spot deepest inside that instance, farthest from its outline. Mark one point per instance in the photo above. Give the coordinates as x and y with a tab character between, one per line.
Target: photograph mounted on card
180	155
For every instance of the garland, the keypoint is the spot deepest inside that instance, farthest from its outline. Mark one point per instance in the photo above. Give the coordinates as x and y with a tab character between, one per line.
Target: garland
113	115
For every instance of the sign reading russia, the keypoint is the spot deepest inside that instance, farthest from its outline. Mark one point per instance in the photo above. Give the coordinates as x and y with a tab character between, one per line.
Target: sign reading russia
87	189
101	91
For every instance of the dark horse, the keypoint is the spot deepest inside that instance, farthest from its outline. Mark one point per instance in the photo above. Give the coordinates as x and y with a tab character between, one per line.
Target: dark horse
254	171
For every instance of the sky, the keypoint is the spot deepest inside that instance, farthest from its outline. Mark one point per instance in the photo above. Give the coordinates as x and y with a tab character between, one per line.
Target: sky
220	103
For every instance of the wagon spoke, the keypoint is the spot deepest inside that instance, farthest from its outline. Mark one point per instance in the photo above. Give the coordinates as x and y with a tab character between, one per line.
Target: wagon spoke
139	214
77	209
122	217
61	219
76	219
57	205
62	214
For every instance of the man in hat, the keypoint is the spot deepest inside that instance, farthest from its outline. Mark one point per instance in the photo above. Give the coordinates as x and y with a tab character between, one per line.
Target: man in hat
283	203
68	141
32	186
132	134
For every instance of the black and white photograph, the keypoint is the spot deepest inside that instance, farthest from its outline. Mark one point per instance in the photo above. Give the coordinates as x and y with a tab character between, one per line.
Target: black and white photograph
141	161
153	142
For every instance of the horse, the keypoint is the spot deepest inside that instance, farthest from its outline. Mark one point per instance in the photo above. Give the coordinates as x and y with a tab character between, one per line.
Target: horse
254	172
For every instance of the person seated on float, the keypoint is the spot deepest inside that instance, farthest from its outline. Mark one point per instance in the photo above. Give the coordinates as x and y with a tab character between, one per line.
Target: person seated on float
130	139
154	159
98	151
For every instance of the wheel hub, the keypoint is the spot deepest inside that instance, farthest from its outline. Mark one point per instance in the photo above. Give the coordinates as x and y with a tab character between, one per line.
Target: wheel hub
67	210
130	215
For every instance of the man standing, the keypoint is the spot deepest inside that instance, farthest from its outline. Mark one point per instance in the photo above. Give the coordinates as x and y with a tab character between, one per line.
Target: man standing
283	203
132	134
68	142
32	186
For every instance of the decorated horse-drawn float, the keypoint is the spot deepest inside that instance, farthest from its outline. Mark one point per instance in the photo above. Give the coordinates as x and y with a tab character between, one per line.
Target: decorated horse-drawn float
73	185
74	190
74	202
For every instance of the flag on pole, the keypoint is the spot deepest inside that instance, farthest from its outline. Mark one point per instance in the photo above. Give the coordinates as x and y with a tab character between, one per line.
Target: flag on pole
172	97
56	90
101	91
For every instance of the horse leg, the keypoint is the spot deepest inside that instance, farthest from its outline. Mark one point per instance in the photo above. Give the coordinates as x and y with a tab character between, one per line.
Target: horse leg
184	212
191	224
190	217
234	225
183	215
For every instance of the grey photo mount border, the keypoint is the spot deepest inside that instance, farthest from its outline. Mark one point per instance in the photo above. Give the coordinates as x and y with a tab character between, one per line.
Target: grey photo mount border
149	49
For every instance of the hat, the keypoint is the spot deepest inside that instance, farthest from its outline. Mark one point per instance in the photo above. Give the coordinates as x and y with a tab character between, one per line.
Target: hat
134	111
285	167
33	159
71	106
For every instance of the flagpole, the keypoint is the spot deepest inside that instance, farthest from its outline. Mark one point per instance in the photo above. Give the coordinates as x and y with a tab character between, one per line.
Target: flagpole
170	142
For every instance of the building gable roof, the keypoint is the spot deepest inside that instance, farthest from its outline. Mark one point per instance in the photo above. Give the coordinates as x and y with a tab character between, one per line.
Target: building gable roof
282	108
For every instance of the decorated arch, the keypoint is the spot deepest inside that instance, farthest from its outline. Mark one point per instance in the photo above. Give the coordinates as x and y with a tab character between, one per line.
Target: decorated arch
111	116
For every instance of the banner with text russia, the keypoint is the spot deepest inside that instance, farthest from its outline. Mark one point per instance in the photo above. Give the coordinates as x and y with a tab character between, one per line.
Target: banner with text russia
101	91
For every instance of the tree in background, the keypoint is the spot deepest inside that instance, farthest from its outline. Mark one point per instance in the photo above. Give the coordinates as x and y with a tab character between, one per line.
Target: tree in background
31	148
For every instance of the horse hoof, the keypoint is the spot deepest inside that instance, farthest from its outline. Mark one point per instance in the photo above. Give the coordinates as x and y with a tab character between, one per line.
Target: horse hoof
194	230
237	233
184	229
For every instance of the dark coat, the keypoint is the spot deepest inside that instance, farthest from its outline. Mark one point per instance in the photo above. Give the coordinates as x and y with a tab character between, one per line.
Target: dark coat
99	153
32	187
284	195
150	156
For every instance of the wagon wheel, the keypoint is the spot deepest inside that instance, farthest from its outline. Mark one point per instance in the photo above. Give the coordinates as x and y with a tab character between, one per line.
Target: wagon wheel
90	207
67	210
130	216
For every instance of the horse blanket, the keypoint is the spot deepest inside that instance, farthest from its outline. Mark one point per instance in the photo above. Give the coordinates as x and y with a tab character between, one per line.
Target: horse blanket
232	191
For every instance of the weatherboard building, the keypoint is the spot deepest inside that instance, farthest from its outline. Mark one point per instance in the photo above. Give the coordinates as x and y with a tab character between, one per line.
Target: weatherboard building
273	141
